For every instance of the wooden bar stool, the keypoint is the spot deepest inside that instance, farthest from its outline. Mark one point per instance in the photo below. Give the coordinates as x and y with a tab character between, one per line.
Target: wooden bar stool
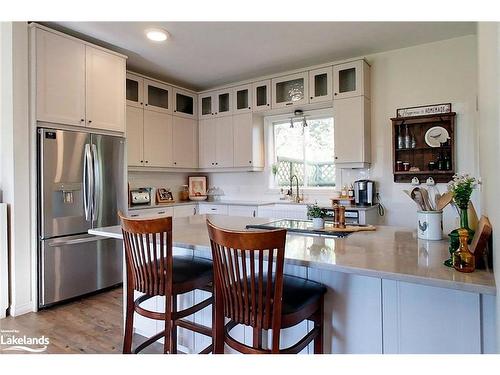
249	292
154	271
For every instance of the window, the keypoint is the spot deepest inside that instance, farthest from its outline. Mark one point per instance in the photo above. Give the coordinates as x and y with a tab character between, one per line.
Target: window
304	151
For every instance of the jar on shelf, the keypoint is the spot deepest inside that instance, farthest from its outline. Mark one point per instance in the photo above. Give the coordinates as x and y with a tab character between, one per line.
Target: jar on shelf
184	193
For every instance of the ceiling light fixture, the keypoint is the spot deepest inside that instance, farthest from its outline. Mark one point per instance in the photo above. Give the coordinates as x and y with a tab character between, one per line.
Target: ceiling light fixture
156	35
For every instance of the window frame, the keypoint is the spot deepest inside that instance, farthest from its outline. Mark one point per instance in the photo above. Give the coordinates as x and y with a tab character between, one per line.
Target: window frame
271	155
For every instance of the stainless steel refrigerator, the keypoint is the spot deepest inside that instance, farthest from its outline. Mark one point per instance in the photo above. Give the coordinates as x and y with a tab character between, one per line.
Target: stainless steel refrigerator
80	186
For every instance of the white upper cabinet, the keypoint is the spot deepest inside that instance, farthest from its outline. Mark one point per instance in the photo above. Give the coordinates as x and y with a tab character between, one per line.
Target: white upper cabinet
351	79
352	131
216	143
105	90
60	79
321	85
224	144
207	142
135	90
290	90
77	83
224	103
157	139
248	141
157	96
261	95
206	105
135	136
185	142
242	99
184	103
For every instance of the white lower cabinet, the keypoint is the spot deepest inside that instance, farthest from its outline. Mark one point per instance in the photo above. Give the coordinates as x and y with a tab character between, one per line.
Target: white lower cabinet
152	212
213	209
353	312
421	319
283	211
185	210
246	211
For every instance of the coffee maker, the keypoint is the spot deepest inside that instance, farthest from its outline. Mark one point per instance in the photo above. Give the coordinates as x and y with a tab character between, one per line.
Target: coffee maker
364	192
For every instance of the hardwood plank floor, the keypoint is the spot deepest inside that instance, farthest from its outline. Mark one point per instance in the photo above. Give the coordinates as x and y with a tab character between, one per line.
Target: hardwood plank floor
89	325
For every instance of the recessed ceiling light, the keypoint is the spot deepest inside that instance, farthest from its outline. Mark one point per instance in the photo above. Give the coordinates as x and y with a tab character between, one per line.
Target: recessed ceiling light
156	35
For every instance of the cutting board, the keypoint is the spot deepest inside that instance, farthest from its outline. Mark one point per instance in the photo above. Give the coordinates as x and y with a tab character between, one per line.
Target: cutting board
479	243
348	229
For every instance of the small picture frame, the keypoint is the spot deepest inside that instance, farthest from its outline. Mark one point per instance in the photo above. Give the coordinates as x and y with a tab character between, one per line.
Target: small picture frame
164	196
197	186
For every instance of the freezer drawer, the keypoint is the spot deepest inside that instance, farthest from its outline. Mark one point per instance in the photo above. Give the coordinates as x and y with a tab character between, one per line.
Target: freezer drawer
76	265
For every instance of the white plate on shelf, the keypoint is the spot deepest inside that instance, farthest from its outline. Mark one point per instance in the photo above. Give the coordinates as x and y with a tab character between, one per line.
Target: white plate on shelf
198	197
436	135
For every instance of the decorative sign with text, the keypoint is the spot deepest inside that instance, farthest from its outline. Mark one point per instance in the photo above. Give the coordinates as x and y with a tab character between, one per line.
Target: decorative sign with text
434	109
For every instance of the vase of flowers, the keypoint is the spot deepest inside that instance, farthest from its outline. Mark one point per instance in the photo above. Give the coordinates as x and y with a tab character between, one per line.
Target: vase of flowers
461	188
317	214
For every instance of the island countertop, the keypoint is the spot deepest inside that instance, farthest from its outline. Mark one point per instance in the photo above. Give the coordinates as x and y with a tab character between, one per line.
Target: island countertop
390	252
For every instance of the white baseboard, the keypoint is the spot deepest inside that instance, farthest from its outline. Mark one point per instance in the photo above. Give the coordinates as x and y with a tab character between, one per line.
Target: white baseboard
21	309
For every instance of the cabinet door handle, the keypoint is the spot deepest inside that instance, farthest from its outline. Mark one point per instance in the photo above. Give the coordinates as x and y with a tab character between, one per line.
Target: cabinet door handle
289	103
216	163
194	211
161	212
249	107
253	213
82	120
90	121
336	157
267	104
312	97
134	215
175	163
142	161
146	104
142	103
147	161
335	94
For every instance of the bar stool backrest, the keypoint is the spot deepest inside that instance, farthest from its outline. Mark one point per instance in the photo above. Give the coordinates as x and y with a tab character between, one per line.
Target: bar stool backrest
148	254
248	274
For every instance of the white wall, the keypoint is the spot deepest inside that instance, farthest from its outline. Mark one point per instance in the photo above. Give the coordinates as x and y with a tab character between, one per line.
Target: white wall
15	172
489	135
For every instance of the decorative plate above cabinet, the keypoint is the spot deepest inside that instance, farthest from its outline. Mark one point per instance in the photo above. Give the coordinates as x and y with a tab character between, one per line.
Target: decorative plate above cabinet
290	90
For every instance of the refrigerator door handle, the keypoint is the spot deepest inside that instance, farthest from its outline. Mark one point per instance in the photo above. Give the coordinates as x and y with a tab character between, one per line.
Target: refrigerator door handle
96	186
58	243
88	182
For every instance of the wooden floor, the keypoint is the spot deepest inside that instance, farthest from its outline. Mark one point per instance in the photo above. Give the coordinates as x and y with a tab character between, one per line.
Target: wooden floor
90	325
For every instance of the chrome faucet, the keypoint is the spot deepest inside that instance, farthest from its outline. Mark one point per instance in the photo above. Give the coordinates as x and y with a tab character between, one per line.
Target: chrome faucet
296	198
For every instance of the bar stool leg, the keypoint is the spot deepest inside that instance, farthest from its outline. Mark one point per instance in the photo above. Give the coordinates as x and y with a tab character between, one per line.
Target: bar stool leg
318	322
173	331
257	338
218	331
168	324
129	323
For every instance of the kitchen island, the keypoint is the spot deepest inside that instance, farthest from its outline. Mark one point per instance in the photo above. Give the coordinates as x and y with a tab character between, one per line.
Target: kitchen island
388	292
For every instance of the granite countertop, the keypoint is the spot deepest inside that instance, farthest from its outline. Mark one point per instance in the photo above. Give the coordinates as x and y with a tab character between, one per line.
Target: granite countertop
248	203
392	253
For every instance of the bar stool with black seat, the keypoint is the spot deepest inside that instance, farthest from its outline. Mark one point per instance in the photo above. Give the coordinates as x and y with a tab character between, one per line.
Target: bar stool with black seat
153	270
251	289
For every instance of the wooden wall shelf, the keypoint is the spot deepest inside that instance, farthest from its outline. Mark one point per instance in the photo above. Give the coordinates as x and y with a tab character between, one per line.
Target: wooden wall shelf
420	155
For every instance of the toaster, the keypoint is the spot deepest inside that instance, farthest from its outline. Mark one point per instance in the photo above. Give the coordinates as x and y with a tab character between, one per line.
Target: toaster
140	197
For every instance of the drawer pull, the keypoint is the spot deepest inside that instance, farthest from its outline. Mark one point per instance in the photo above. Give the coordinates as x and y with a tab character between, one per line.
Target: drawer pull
161	212
134	215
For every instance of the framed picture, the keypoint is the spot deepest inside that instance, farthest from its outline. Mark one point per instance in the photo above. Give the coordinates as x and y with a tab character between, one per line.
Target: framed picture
197	186
164	196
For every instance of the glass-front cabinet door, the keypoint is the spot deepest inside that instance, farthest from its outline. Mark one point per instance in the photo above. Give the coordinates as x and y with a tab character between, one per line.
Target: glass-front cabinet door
242	99
184	103
157	96
290	90
320	85
351	79
261	95
224	102
206	105
135	90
